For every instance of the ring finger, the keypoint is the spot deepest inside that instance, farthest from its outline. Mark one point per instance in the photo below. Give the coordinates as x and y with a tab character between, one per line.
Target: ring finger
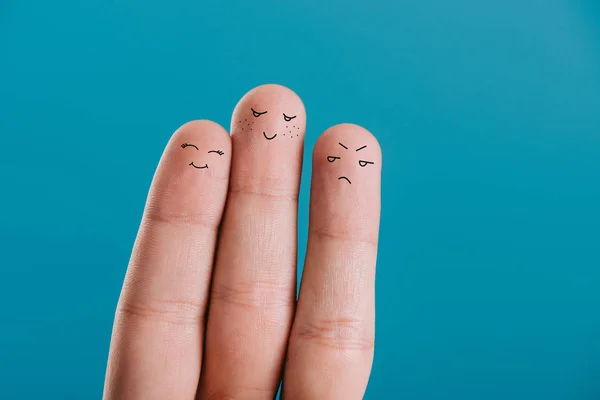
331	344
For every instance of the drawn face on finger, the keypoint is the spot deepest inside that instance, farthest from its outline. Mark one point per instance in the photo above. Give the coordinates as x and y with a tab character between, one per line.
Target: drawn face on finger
258	124
347	153
199	162
270	113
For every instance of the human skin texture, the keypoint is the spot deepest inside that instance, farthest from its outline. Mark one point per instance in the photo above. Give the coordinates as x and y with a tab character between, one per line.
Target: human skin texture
208	307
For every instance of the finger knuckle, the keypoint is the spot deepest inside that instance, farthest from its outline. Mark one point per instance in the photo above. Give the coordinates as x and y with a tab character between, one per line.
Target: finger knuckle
254	295
338	333
170	311
157	215
238	392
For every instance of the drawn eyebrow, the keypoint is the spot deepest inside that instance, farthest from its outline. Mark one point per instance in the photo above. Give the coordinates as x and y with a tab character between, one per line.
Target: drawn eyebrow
219	152
360	148
183	146
257	113
343	146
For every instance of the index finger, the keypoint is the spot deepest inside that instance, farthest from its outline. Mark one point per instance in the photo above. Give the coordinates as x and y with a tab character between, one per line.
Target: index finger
156	348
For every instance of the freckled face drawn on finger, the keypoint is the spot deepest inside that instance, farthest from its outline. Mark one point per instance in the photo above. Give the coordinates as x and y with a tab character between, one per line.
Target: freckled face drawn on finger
258	124
343	153
198	164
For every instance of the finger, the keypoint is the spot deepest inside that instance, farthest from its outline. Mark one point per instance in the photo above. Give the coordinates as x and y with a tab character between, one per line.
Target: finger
253	289
157	337
331	343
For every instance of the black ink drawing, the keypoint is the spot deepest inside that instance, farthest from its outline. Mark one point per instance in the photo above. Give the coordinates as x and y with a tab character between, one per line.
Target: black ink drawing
257	113
183	146
268	138
195	166
286	117
362	163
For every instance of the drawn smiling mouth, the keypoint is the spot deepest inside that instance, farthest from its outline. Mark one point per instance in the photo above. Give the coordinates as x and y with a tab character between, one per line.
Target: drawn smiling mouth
269	138
195	166
343	177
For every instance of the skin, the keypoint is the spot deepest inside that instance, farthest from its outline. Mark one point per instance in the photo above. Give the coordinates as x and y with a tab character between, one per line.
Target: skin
208	308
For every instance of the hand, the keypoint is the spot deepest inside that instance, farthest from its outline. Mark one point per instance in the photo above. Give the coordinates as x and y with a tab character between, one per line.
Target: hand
208	307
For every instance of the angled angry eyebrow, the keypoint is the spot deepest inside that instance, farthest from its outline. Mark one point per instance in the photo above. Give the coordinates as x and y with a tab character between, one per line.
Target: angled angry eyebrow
360	148
343	146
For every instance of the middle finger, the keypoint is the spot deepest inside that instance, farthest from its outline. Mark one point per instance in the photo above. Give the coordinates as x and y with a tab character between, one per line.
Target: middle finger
254	282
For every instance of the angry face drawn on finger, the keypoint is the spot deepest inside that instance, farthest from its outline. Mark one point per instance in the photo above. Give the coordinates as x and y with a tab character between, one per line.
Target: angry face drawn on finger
353	158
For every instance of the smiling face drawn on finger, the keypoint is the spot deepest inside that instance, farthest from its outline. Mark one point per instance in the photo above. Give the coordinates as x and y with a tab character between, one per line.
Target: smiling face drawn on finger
200	164
270	114
293	131
348	153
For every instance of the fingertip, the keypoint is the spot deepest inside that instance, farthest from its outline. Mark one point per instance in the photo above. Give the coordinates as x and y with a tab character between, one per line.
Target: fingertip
205	131
268	127
197	144
345	188
274	88
349	138
270	108
349	153
192	177
271	91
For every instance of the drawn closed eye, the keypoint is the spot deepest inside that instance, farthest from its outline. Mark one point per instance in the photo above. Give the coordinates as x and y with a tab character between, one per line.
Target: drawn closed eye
219	152
332	158
363	163
257	113
183	146
288	119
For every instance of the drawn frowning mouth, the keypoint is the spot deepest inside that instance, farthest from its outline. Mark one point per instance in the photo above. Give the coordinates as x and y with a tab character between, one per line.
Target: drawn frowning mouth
269	138
343	177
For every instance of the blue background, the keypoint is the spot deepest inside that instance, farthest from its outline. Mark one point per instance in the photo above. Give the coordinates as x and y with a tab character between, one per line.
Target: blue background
488	113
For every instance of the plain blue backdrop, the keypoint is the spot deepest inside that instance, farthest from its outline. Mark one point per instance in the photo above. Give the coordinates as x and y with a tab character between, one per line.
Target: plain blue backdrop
488	113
